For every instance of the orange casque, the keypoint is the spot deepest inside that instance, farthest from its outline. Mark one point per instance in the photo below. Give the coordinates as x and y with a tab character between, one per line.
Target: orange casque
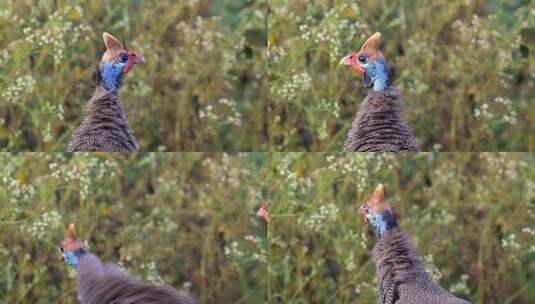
375	203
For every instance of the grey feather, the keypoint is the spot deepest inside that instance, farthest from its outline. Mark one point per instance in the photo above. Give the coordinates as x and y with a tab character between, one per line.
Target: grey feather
402	278
104	127
108	284
379	125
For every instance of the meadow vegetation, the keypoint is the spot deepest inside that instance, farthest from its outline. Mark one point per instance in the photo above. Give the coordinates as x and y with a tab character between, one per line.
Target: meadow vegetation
470	215
186	219
202	87
247	75
465	68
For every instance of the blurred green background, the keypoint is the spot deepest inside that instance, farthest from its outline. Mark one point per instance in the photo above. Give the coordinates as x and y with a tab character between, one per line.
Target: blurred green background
186	219
465	68
202	88
471	217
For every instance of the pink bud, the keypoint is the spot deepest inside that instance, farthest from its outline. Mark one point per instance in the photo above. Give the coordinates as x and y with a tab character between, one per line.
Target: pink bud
263	212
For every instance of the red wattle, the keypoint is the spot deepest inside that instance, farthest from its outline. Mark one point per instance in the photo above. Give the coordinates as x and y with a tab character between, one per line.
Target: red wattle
127	68
358	69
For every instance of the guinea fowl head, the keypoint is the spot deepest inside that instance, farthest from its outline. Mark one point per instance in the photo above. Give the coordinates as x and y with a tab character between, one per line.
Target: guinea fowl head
370	63
116	61
378	213
70	244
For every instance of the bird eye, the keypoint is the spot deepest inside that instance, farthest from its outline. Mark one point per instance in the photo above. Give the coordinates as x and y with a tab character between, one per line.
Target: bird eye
362	59
123	57
61	249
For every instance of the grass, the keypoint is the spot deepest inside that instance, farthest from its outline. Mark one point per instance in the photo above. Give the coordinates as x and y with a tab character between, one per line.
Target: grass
198	53
466	74
187	219
470	215
465	69
259	75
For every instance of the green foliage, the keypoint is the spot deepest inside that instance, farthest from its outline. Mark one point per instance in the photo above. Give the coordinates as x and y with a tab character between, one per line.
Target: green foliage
470	216
201	89
187	219
465	68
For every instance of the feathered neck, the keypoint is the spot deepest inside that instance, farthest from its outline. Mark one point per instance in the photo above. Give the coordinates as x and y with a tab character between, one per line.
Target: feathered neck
109	76
381	76
104	101
382	223
395	248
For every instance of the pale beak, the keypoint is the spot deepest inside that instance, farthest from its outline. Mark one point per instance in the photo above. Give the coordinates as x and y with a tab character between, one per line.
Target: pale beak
137	58
345	60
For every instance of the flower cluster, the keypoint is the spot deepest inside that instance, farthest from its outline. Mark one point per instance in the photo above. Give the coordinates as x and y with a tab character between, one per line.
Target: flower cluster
48	221
349	263
461	287
291	179
363	286
47	133
4	56
59	31
529	230
276	54
355	165
84	170
16	190
431	268
201	38
151	273
233	251
297	84
329	107
22	86
322	131
197	34
260	254
327	213
502	106
207	113
335	29
474	33
57	110
228	109
510	242
223	171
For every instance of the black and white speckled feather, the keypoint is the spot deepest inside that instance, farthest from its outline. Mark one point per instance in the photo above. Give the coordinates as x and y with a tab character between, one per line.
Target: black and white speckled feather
401	277
379	125
104	127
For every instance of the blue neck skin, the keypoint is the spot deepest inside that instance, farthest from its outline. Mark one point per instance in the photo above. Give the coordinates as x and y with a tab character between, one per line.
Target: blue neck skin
378	72
111	74
382	222
72	258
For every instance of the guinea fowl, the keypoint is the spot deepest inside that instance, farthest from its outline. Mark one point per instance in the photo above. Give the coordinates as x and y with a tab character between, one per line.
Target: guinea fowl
109	284
401	276
104	127
379	125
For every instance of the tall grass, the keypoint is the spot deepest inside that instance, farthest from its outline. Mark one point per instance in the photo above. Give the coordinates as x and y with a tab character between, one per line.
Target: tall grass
465	69
201	89
470	216
187	219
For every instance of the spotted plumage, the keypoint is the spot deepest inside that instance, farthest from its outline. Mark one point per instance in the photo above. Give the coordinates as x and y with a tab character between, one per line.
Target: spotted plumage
104	127
379	125
401	277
